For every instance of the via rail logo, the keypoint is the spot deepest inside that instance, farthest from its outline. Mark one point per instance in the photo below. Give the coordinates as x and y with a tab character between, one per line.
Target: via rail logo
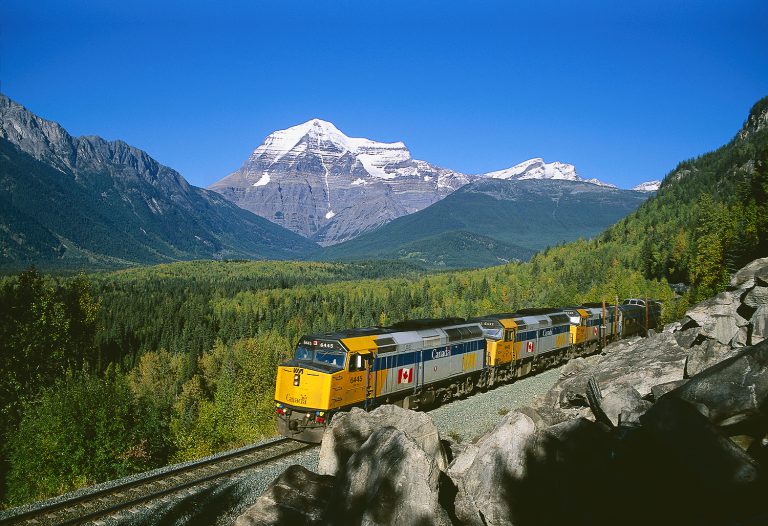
405	375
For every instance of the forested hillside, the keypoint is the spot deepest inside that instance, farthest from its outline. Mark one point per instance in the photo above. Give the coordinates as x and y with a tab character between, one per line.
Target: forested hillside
492	221
84	202
709	218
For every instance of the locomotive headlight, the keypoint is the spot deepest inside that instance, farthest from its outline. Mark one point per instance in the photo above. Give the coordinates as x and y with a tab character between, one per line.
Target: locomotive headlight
296	378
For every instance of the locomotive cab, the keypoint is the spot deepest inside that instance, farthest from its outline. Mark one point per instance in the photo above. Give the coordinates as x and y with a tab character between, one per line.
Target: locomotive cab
499	332
323	376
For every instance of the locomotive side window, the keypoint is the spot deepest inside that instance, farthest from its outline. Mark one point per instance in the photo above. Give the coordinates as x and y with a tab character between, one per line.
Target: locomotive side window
508	336
356	363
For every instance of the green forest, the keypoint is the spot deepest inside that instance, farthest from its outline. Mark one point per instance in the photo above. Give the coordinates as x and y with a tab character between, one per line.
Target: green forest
177	361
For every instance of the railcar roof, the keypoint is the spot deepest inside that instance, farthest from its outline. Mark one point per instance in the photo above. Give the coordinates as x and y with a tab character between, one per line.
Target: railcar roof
348	333
538	312
498	316
425	323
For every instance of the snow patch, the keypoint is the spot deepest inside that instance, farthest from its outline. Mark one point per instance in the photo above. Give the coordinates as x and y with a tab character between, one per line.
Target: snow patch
648	186
263	181
598	182
330	214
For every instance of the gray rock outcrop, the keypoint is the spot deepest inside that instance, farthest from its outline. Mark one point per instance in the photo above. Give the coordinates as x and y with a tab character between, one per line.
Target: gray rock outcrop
347	433
390	480
710	332
485	473
297	496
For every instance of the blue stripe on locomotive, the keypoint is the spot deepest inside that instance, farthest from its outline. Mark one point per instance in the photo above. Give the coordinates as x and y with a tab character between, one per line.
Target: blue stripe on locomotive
522	336
410	358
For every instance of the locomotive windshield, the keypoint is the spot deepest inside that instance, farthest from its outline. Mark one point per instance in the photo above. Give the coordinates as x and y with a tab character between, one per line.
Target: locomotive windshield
493	334
308	354
303	353
331	357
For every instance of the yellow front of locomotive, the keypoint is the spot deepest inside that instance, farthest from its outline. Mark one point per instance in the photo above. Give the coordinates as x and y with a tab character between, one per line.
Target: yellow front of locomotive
578	319
500	339
304	388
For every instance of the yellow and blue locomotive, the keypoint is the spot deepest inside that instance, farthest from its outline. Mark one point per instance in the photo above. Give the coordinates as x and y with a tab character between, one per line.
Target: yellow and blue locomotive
418	363
408	363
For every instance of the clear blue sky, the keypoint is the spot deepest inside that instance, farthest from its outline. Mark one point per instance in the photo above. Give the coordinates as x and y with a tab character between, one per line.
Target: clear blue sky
623	92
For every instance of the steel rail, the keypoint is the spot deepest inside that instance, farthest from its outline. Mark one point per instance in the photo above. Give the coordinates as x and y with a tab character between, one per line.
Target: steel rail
47	514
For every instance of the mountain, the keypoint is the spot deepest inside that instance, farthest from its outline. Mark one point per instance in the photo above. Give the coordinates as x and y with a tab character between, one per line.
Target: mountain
520	216
536	168
316	181
648	186
72	201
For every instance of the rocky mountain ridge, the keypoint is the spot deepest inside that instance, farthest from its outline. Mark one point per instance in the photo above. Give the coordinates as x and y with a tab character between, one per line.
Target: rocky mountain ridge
86	199
318	182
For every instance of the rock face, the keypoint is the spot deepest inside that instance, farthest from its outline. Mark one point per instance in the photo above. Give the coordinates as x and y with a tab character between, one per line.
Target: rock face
347	433
314	180
297	496
648	186
390	480
486	473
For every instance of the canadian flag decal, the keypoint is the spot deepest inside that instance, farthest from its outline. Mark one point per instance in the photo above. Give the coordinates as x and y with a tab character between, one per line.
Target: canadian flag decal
405	376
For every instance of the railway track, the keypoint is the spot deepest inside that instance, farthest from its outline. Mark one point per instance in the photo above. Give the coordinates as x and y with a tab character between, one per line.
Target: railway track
122	496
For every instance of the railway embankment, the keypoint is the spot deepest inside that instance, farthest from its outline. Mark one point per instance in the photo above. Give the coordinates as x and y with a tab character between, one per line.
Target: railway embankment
668	429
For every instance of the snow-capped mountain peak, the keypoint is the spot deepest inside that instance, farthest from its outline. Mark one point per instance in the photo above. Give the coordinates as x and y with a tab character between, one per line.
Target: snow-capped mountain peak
319	136
536	168
648	186
317	181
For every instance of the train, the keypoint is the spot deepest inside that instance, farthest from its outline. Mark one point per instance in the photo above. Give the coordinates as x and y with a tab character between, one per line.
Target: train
418	364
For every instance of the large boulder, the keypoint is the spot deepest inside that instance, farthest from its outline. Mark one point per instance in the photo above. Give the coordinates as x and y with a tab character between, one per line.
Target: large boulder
389	480
622	404
707	354
487	473
756	297
718	318
734	388
640	363
347	432
297	496
753	273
